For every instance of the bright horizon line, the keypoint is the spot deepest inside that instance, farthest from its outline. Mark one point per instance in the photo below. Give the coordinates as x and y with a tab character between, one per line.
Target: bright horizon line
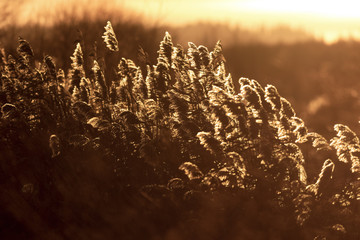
328	20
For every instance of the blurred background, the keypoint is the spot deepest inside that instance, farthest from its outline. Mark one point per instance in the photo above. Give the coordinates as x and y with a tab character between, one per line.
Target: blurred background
309	50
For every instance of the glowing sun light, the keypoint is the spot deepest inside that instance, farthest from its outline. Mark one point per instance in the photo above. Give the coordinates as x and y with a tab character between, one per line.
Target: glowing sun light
321	8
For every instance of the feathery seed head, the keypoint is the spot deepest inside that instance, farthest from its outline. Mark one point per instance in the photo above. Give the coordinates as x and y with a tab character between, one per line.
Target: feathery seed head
346	134
216	56
77	58
251	96
287	109
209	142
272	96
50	65
325	174
110	38
244	81
204	55
191	170
24	49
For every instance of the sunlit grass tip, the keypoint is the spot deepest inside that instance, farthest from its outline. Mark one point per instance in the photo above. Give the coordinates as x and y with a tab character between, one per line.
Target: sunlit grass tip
110	38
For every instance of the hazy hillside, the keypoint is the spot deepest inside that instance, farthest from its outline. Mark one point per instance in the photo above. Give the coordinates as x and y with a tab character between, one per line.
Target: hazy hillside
208	33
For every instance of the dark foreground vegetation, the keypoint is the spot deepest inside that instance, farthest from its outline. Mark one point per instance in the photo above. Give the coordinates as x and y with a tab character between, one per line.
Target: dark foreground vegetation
175	149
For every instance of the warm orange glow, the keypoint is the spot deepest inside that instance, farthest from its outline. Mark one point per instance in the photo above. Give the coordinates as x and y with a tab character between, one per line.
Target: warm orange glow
324	8
326	19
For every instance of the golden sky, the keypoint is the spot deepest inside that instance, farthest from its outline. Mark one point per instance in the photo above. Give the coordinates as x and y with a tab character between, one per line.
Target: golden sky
326	19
